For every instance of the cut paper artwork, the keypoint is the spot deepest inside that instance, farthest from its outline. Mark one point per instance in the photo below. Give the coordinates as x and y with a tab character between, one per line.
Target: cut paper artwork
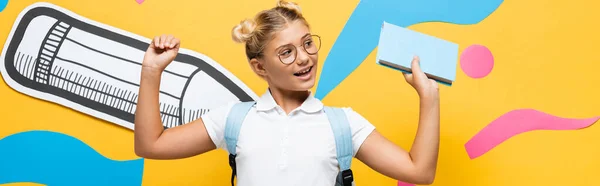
56	55
520	121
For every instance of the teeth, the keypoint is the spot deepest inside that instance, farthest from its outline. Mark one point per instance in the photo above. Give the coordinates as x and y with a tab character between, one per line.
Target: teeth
305	71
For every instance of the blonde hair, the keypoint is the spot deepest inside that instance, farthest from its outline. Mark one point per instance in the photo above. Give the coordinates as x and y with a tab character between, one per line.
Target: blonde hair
256	32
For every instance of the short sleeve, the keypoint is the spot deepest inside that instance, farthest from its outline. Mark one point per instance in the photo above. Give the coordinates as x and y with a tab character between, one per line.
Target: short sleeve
360	127
214	122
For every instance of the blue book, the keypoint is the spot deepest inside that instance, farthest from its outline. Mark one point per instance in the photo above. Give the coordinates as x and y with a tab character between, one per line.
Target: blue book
398	45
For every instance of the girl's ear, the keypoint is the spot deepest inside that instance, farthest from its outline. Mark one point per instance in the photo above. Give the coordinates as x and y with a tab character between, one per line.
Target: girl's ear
258	67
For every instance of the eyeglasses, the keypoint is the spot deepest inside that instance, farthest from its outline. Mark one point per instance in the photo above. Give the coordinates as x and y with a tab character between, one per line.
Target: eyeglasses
288	53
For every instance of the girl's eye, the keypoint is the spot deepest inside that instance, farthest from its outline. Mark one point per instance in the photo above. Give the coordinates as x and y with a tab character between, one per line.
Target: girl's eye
285	52
308	43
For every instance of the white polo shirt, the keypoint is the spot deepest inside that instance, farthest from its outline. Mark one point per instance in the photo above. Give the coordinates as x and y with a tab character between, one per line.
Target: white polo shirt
276	149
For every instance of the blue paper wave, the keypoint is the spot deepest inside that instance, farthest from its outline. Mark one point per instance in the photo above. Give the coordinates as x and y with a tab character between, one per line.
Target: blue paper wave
53	158
3	4
361	32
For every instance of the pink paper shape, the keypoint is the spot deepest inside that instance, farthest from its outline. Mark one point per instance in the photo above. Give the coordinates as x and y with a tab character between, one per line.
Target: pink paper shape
516	122
476	61
404	184
139	1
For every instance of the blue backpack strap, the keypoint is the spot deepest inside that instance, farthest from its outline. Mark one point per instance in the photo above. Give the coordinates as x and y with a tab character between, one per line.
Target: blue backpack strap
233	124
343	144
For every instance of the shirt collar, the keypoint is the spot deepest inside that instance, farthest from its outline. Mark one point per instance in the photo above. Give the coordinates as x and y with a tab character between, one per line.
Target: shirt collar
266	102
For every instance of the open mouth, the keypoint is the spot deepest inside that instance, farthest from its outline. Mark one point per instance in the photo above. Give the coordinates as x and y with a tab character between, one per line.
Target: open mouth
303	72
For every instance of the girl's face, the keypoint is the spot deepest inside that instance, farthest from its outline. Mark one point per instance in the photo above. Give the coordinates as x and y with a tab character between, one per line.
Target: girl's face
289	60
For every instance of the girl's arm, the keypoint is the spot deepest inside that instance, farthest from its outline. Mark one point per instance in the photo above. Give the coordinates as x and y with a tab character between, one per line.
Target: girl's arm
151	140
419	165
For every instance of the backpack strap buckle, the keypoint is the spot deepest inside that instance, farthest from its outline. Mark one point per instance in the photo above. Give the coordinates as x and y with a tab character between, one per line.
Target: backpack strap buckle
233	168
232	161
347	177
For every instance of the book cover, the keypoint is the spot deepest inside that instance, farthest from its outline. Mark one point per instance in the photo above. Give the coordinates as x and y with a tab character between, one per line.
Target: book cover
398	45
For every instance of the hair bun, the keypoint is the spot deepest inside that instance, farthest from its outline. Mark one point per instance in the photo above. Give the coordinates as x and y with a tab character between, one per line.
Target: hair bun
289	5
243	31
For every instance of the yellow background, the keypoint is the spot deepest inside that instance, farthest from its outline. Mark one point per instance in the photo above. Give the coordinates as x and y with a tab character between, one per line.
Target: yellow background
546	58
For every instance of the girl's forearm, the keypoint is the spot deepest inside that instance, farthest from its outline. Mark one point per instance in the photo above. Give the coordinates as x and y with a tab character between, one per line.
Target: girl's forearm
424	151
148	125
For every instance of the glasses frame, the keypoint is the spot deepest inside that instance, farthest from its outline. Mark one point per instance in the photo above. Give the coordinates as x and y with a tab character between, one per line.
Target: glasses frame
304	48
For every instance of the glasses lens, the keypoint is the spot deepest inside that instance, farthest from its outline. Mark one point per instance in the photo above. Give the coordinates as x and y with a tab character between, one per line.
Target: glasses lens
312	44
288	55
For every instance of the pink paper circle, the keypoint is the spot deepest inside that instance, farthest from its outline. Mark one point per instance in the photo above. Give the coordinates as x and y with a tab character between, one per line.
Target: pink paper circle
476	61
